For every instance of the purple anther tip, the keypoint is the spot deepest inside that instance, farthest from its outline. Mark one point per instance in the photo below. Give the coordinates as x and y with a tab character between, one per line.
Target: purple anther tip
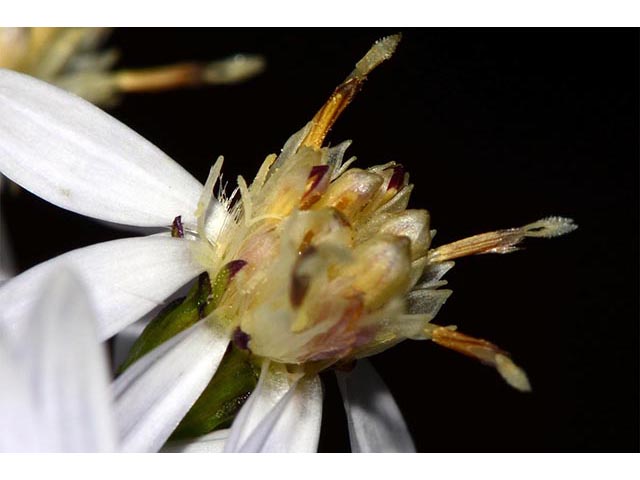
177	230
397	178
234	266
241	339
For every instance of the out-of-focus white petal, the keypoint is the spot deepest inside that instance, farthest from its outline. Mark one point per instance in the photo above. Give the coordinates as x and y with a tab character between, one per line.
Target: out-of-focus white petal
280	416
76	156
68	371
153	396
374	420
210	443
125	279
18	426
55	393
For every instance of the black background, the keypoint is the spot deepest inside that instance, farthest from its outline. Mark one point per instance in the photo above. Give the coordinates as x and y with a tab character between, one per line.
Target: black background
498	128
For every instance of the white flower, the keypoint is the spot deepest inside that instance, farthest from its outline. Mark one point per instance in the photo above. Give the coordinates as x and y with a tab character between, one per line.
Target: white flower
317	260
79	158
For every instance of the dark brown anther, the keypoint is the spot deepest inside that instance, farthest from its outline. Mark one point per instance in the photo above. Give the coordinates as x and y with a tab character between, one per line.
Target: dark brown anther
177	230
233	267
317	183
241	339
396	182
299	287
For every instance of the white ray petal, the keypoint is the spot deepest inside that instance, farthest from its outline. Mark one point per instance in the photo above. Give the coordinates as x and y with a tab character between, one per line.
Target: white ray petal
18	426
374	419
76	156
210	443
125	279
280	416
152	397
261	401
68	371
293	425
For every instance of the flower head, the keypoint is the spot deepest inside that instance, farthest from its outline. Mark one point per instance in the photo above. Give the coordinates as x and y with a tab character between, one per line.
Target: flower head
313	264
334	266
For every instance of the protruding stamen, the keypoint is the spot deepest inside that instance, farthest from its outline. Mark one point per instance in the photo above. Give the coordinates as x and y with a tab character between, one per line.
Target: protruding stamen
382	50
347	90
486	352
502	241
234	69
159	78
550	227
177	230
231	70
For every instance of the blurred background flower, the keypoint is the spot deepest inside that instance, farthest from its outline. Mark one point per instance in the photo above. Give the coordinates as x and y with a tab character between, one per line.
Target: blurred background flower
75	59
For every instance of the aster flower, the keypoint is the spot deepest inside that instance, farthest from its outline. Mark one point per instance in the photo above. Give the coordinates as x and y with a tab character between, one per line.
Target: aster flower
314	265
